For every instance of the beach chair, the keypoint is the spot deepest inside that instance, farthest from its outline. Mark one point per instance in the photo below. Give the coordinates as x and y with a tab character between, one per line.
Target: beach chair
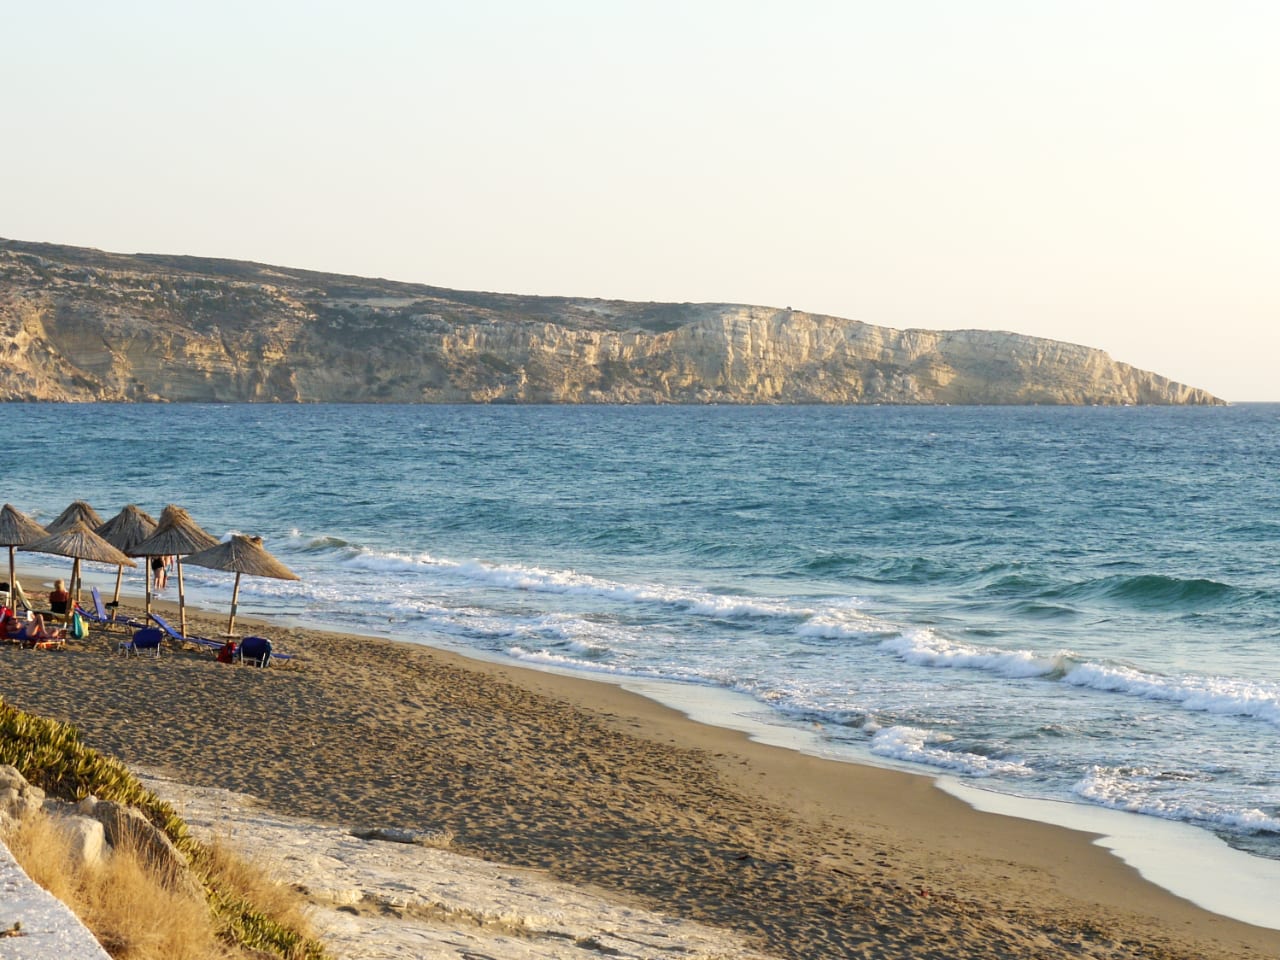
205	641
101	617
173	634
254	650
145	642
11	596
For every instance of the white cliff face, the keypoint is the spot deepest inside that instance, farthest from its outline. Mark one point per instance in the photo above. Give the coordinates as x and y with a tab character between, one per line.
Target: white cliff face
82	325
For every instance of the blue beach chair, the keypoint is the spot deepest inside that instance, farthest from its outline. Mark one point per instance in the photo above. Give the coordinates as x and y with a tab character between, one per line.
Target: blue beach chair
173	634
214	644
101	617
146	642
254	650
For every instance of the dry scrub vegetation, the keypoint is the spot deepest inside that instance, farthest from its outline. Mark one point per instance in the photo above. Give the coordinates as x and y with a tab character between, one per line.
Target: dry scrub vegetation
223	908
134	915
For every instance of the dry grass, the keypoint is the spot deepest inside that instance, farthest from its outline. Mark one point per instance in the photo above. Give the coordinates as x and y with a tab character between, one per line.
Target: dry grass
135	913
50	755
229	868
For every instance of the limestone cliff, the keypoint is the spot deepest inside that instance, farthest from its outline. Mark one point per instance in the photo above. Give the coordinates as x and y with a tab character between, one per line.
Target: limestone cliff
79	324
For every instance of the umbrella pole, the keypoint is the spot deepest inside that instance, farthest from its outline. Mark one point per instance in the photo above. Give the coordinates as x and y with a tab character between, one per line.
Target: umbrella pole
75	585
182	599
235	599
13	591
146	578
119	575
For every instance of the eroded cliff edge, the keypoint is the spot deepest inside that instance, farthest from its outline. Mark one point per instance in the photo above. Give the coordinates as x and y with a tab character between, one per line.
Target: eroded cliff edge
79	324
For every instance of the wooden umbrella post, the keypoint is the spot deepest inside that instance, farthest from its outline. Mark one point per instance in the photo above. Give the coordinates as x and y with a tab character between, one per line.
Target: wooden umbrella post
235	599
182	597
119	577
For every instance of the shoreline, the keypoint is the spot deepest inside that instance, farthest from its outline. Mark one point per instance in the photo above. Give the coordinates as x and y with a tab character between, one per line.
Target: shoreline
1225	881
602	785
1185	860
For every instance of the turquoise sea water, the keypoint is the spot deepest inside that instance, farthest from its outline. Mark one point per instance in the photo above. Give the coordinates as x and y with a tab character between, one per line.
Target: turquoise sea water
1073	603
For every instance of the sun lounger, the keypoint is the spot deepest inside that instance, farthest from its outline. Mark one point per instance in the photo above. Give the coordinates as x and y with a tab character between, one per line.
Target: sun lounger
205	641
13	597
173	634
103	618
145	642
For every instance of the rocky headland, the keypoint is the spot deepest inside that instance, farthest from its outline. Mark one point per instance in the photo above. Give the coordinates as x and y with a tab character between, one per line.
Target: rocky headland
84	325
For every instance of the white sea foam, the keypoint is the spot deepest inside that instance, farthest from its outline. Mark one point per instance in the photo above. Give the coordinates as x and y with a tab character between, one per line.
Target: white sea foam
925	647
921	746
836	623
568	582
1227	696
1138	790
553	658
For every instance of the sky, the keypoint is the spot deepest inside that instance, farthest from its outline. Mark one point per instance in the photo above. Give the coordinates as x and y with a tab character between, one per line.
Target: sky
1104	172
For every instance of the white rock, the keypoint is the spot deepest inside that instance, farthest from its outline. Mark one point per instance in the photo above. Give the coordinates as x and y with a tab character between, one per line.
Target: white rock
18	798
86	836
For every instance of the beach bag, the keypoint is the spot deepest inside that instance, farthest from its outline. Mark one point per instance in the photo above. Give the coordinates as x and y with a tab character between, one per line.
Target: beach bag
79	629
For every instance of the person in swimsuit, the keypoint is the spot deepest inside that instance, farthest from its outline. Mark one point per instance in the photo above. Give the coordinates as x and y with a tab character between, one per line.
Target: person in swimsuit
28	633
159	572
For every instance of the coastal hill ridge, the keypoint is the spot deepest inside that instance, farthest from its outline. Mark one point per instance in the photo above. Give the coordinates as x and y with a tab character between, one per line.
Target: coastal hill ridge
79	324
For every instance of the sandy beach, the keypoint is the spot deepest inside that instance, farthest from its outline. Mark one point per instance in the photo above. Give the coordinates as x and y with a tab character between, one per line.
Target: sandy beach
603	789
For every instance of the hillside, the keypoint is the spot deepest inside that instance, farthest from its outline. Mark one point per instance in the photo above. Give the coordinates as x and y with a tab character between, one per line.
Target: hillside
83	325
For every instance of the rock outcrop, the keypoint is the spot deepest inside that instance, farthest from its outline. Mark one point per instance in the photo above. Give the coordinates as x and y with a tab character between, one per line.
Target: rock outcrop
83	325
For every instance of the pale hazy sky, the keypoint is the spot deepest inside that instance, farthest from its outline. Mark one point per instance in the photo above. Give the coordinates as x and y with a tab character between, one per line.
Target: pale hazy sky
1105	173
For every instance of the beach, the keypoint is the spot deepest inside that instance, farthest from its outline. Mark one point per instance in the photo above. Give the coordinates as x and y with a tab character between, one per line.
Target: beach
606	790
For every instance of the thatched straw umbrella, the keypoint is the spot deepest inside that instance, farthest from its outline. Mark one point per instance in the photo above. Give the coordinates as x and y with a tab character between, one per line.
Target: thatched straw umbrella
77	511
241	555
81	543
175	535
17	530
125	531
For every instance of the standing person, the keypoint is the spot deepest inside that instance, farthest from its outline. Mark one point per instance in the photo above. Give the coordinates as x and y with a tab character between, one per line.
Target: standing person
59	599
159	572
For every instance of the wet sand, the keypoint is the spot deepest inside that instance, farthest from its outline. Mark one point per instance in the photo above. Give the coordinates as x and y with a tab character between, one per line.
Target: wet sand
804	857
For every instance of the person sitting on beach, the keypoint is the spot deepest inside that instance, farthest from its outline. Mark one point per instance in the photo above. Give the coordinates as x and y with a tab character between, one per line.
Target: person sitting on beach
59	599
29	631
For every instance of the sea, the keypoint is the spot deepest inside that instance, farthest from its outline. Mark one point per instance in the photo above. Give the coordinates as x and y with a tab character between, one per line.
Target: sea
1074	604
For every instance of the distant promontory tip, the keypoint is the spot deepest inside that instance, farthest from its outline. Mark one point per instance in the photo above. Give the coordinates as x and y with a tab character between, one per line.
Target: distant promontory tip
83	325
